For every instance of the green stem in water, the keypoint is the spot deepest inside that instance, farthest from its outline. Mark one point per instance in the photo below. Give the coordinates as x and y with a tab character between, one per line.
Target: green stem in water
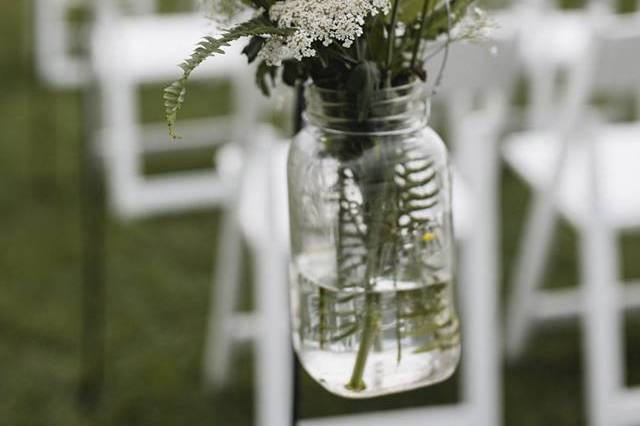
371	305
322	307
396	245
369	331
371	316
396	255
397	300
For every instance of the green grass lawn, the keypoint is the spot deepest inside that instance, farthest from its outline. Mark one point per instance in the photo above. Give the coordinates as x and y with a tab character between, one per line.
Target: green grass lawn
158	277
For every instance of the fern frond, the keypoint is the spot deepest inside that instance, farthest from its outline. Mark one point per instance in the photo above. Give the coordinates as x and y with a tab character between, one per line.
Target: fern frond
209	46
351	233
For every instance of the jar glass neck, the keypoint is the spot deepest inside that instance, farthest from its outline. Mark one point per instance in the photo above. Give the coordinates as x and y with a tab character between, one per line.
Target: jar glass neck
393	110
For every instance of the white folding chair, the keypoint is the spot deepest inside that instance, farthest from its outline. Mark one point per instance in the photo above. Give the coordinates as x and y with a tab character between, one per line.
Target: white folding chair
128	52
476	75
131	51
585	170
56	62
259	216
552	41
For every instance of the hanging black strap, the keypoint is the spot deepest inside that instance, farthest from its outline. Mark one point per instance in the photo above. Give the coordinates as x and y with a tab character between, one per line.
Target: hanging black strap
297	391
93	210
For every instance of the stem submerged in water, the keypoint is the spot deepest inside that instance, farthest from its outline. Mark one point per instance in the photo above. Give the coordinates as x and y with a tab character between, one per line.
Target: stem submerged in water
369	331
371	306
322	308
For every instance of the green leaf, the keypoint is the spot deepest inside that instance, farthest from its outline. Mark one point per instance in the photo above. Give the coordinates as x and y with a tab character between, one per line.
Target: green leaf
209	46
291	72
344	332
253	48
262	73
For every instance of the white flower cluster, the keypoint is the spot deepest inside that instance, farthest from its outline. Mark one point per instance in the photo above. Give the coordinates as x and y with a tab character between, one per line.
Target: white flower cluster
325	21
474	26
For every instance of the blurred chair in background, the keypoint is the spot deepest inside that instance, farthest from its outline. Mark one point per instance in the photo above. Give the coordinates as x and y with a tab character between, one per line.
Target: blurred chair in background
553	41
139	47
55	60
477	88
585	169
130	51
59	59
146	49
263	214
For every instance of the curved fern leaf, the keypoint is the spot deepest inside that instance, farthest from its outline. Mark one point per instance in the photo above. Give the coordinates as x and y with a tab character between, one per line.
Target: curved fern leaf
209	46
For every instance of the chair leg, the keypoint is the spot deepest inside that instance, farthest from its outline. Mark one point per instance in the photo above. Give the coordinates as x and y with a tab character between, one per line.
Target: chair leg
541	110
528	273
273	355
479	277
121	145
602	323
224	295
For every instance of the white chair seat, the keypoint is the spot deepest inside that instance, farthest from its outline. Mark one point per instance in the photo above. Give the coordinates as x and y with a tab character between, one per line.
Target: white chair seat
149	48
533	154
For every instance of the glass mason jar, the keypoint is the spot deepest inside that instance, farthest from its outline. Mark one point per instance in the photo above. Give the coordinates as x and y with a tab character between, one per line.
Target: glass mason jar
372	246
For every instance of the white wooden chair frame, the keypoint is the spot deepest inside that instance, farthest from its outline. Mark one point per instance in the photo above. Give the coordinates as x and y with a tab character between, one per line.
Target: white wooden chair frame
55	63
608	64
122	141
131	51
477	153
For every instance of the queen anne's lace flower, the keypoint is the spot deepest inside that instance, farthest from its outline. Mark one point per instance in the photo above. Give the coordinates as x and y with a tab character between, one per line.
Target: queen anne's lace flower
474	26
324	21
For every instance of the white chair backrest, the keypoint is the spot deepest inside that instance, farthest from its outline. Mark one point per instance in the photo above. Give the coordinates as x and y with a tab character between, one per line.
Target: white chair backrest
53	40
610	65
143	7
616	65
476	73
56	64
477	68
546	5
111	9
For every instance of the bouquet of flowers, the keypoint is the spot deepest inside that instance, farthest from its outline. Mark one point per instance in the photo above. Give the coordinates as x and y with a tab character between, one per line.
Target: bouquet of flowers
355	45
